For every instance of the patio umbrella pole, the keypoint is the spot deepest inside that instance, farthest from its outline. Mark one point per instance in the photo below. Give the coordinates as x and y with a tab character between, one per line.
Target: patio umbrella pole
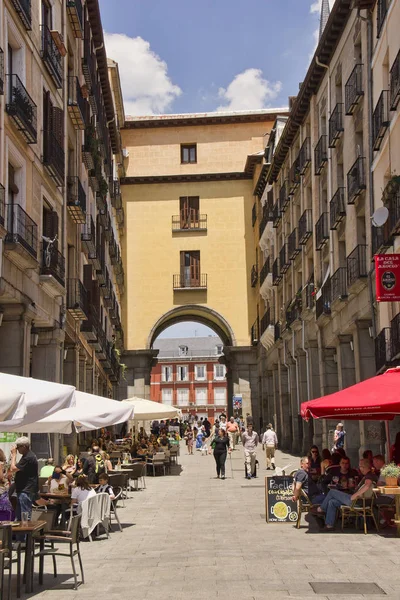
387	431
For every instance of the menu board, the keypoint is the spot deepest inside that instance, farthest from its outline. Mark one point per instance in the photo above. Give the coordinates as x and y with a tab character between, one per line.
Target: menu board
279	506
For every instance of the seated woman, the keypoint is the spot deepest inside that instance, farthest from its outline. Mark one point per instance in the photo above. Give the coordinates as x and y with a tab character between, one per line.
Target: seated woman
107	461
314	461
81	491
326	460
69	465
80	467
59	481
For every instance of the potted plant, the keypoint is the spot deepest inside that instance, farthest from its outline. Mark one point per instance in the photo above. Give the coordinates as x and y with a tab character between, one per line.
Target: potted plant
391	473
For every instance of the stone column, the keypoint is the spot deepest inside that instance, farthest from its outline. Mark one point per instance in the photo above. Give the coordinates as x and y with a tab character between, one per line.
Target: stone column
15	338
328	369
242	365
82	372
307	426
347	377
89	378
137	374
71	366
315	391
285	409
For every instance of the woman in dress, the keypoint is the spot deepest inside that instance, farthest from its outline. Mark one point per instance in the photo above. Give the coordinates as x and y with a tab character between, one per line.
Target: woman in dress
221	448
189	439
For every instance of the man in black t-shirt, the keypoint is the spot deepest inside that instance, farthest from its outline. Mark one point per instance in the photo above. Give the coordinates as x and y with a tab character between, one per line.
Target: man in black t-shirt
26	476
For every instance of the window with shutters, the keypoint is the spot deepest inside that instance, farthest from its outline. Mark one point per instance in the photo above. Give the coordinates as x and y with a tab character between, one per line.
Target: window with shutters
188	153
190	268
219	372
166	373
189	211
200	372
219	396
183	396
183	350
182	373
219	349
166	396
201	396
53	139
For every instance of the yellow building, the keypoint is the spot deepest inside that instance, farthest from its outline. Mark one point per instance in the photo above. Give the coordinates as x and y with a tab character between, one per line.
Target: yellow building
189	245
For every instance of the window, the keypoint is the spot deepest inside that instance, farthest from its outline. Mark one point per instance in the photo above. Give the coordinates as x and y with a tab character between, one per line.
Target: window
188	153
166	396
166	373
200	372
190	268
219	371
189	211
182	373
201	395
183	396
219	396
183	350
219	349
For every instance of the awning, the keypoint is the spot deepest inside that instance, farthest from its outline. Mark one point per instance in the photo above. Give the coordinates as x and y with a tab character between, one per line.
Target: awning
146	410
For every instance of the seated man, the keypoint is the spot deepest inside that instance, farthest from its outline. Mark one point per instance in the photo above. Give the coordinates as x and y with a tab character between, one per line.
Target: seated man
104	487
343	477
378	462
164	443
302	480
336	498
47	470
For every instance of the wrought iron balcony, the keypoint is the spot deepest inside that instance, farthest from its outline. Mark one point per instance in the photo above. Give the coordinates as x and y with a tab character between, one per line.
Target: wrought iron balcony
91	326
353	90
383	349
276	214
53	263
395	337
254	276
21	108
357	264
277	332
356	181
284	261
75	15
336	125
115	191
320	155
381	15
23	8
21	229
337	208
267	215
88	63
189	222
381	238
255	332
395	83
392	203
51	56
181	282
265	321
265	270
53	157
1	72
254	214
321	231
276	275
76	200
77	300
380	120
2	204
339	284
323	302
89	148
305	226
88	236
294	176
120	214
304	157
293	313
78	106
294	247
309	293
284	198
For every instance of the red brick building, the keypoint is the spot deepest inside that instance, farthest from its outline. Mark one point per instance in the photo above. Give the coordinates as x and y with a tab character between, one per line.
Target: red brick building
188	375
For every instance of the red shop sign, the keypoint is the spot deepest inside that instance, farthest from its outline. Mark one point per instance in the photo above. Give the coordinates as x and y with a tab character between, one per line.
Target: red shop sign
387	269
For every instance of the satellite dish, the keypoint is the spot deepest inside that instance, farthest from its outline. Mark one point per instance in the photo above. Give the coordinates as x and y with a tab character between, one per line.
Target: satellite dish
380	216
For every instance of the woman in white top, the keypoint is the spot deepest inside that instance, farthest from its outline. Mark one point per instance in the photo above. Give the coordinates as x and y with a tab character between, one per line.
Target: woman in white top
81	491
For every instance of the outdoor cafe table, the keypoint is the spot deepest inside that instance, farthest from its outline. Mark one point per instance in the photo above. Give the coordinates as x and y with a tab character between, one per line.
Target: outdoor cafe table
65	503
31	528
391	491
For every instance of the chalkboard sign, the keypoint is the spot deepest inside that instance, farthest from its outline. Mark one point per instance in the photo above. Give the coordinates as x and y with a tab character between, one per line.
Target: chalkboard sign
279	506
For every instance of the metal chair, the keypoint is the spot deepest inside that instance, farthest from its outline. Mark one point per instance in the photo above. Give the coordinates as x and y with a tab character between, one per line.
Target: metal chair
61	538
6	560
136	472
158	461
362	507
304	505
113	507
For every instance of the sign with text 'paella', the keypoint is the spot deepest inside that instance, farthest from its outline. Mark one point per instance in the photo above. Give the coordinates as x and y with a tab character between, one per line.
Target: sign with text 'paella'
279	506
387	273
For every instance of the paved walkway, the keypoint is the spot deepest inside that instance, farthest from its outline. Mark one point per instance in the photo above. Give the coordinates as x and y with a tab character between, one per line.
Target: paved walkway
190	535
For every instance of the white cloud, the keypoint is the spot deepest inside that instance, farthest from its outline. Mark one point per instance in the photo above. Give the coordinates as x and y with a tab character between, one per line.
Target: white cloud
316	6
248	91
146	86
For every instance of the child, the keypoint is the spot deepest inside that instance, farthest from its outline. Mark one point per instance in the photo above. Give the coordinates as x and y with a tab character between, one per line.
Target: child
189	440
104	487
203	448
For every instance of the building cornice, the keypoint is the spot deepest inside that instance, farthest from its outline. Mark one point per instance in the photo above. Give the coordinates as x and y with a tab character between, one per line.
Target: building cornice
194	177
206	119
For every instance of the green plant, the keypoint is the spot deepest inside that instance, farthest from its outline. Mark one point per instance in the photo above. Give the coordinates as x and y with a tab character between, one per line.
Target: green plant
390	470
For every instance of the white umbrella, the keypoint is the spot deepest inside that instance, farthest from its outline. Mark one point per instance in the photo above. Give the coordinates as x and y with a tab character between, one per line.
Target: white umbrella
146	410
42	398
90	412
12	404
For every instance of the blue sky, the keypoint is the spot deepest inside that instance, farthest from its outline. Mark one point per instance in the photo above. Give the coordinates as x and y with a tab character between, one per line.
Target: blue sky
186	56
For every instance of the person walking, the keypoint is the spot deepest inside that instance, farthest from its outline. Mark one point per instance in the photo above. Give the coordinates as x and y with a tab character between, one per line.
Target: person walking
270	443
232	429
26	473
221	448
250	443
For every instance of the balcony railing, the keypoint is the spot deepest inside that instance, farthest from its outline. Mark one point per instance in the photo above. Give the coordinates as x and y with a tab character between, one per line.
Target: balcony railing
335	125
1	72
88	63
381	238
284	262
381	15
356	182
294	247
380	120
337	208
320	155
392	203
76	200
77	300
304	157
321	231
75	14
255	332
383	350
78	106
53	263
309	293
284	198
277	332
115	192
293	313
254	214
357	264
265	270
353	89
276	276
91	326
88	236
323	302
254	276
89	148
21	108
53	157
276	214
395	336
395	83
265	321
305	226
2	204
183	282
267	215
23	8
51	56
294	177
339	284
21	229
192	222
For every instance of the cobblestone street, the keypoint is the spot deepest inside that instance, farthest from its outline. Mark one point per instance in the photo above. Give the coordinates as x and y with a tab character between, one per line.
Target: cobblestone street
191	535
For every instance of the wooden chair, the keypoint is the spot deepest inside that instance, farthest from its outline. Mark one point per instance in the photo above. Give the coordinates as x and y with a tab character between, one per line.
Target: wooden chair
304	505
362	507
7	547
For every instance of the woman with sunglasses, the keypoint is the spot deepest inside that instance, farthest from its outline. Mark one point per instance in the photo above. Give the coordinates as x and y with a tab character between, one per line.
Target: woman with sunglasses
314	459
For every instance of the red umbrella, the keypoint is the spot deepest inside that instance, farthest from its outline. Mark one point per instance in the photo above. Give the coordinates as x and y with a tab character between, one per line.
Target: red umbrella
377	398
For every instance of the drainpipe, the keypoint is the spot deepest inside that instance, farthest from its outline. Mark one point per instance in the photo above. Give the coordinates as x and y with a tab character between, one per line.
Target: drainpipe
306	352
288	372
297	372
62	311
